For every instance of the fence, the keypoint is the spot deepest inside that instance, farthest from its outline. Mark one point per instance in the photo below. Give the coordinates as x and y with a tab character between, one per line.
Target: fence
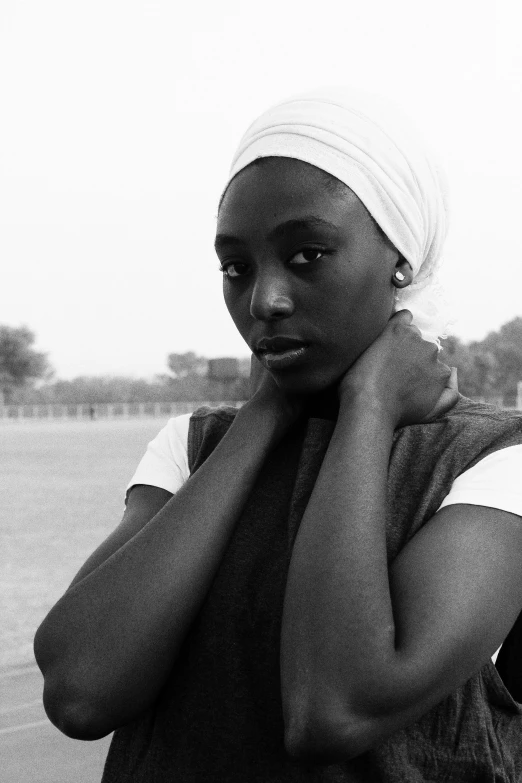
115	410
128	410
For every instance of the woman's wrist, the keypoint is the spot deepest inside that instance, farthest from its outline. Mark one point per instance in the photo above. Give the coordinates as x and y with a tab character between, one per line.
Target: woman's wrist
264	419
368	408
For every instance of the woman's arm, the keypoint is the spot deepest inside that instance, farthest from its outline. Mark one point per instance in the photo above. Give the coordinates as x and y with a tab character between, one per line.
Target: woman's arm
107	646
365	652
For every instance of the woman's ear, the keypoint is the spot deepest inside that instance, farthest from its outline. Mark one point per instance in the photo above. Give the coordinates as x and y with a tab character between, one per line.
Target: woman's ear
402	274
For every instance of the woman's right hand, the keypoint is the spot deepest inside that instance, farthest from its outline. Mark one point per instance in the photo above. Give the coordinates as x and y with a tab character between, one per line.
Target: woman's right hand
106	661
265	392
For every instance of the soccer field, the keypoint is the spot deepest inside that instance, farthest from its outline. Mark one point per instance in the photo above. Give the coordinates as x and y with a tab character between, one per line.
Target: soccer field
62	488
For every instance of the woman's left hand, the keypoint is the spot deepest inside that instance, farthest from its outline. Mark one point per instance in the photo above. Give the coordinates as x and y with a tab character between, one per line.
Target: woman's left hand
401	374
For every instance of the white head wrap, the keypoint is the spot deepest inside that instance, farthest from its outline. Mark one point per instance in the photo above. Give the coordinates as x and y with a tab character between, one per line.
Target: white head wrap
364	142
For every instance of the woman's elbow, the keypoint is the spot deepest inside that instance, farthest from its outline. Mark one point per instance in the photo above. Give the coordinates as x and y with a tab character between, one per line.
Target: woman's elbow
325	737
68	695
76	716
75	721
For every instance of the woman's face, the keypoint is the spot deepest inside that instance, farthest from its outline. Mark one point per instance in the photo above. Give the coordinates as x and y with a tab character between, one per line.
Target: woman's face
307	276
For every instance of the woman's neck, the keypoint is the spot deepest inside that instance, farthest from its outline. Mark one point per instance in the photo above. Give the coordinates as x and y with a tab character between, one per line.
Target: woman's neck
324	405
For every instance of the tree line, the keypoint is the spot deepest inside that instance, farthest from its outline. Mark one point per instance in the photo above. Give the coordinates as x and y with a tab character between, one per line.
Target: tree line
27	377
488	369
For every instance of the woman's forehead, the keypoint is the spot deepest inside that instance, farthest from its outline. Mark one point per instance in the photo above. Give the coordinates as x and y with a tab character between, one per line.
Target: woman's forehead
288	187
287	171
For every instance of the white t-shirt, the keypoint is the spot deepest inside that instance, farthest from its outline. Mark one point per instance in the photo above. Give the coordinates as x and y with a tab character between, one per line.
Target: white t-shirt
495	481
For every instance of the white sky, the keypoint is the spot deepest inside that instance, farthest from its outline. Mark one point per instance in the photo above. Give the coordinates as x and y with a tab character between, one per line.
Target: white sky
119	120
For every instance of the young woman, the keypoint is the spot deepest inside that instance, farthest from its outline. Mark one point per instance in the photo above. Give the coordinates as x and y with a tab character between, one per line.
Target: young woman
312	588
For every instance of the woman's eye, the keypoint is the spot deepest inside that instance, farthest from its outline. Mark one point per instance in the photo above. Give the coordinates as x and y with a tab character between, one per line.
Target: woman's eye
234	269
307	255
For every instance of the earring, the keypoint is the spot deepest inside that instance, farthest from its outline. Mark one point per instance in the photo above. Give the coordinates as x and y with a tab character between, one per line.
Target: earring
399	276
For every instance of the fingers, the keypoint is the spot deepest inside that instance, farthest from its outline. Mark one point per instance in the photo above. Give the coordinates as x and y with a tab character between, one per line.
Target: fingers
254	364
447	399
402	316
452	380
405	318
256	374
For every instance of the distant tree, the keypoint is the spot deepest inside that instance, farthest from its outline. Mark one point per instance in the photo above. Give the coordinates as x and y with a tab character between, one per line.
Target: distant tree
244	366
506	346
476	367
20	364
183	364
103	389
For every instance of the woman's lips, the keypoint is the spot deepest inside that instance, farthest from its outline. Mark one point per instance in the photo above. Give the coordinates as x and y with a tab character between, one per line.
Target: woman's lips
280	360
281	351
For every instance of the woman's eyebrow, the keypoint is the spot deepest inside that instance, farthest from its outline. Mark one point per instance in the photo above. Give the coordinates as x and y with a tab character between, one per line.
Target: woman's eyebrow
301	224
280	231
223	240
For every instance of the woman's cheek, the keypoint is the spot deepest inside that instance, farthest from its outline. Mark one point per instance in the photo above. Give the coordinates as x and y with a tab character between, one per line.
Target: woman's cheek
240	316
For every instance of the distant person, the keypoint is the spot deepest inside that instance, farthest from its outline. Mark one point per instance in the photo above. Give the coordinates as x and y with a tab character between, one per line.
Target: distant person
92	412
312	588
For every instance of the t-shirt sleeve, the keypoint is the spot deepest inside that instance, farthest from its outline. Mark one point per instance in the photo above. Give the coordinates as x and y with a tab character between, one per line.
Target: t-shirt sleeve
165	462
495	481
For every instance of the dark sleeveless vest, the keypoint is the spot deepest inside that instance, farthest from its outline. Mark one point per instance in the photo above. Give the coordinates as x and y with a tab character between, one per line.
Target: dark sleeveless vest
219	717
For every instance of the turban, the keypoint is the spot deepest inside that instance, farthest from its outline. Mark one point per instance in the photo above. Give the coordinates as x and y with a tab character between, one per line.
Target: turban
366	142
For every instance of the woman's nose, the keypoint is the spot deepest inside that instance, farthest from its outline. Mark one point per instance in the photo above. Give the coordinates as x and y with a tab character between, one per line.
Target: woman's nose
271	300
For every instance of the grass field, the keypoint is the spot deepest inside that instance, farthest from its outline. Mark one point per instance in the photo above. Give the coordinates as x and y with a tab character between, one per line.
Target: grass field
62	488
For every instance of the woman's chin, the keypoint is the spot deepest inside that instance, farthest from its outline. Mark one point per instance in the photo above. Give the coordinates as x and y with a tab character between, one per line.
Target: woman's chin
291	383
321	392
